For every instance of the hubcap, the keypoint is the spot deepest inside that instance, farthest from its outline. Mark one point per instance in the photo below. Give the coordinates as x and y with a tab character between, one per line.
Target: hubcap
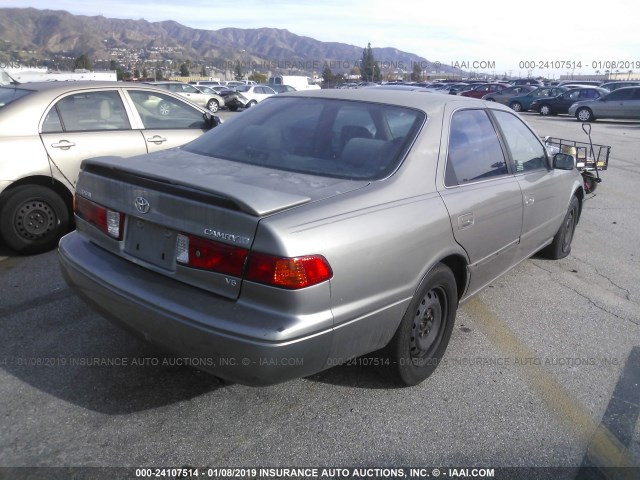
516	107
427	324
544	110
164	109
583	115
34	219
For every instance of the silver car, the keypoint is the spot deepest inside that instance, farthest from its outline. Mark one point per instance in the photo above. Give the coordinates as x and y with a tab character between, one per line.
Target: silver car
47	129
320	226
209	100
622	103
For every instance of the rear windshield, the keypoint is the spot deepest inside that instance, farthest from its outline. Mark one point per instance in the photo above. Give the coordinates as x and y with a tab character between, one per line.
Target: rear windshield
335	138
10	94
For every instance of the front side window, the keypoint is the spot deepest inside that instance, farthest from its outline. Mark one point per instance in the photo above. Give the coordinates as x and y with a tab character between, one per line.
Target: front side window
327	137
159	111
526	151
625	94
474	152
86	112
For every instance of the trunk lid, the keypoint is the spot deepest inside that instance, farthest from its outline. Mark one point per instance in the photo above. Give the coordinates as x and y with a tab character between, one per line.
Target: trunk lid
173	193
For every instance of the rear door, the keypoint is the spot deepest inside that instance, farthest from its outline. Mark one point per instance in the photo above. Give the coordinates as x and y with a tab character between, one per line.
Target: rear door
618	104
482	196
86	124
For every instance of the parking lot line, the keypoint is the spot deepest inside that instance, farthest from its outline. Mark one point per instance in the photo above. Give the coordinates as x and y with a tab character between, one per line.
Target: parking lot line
605	450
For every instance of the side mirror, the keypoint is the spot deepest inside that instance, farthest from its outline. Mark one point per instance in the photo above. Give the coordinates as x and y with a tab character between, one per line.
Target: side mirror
562	161
211	121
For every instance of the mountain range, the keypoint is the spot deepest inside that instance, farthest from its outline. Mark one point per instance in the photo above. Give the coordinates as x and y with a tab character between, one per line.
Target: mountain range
29	34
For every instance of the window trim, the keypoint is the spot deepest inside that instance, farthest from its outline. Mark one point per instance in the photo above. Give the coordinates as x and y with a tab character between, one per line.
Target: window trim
510	170
511	161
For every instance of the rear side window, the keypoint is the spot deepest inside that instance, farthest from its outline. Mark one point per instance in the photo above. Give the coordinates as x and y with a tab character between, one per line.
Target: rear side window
474	151
87	112
328	137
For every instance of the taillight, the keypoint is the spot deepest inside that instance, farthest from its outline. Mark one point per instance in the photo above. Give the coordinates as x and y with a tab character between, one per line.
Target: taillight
104	219
205	254
290	273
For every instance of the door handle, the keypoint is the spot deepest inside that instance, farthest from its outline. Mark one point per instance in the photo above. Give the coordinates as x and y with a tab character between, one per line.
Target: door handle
157	139
63	144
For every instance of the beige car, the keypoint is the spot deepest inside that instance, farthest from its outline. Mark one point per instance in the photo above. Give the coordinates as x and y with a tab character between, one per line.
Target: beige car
211	101
47	129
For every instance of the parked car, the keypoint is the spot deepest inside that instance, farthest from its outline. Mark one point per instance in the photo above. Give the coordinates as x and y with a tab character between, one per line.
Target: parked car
591	83
561	103
47	129
611	86
282	88
622	103
482	90
211	101
295	237
206	83
505	96
522	103
455	88
255	93
528	81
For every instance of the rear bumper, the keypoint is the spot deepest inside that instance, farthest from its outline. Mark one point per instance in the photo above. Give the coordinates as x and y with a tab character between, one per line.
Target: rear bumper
188	321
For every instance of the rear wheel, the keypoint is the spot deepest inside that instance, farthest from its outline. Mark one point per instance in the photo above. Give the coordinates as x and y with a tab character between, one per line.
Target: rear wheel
164	109
423	335
516	106
545	110
33	218
560	247
251	104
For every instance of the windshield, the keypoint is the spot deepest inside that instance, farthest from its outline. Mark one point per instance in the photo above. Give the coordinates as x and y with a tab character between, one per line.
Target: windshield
335	138
11	94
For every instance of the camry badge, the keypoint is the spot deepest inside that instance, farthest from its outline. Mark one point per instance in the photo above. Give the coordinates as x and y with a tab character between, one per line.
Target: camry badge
142	204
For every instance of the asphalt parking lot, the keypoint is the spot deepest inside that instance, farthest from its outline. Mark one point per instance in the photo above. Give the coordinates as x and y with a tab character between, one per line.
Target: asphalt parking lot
543	370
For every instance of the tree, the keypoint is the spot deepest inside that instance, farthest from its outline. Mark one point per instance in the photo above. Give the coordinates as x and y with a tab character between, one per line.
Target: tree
258	77
416	74
82	62
184	70
238	71
327	76
136	73
370	70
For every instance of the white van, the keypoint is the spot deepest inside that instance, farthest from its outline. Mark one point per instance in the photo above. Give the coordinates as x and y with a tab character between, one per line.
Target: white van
298	82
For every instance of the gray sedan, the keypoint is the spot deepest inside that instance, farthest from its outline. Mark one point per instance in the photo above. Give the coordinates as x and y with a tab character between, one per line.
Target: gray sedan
623	103
319	227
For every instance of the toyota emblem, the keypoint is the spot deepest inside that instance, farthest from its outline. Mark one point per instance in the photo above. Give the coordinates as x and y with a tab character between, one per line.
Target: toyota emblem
142	204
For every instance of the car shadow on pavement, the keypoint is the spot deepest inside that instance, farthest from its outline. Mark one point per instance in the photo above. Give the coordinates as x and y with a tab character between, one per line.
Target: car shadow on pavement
371	371
80	358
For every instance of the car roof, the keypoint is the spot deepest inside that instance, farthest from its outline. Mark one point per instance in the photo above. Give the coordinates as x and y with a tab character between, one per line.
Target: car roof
63	86
430	103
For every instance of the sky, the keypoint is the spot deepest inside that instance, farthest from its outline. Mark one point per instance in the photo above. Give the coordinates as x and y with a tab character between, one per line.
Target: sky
519	38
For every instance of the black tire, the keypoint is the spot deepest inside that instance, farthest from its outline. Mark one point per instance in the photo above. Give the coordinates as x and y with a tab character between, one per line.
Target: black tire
516	106
545	109
423	335
33	218
491	100
584	114
213	105
560	247
233	108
